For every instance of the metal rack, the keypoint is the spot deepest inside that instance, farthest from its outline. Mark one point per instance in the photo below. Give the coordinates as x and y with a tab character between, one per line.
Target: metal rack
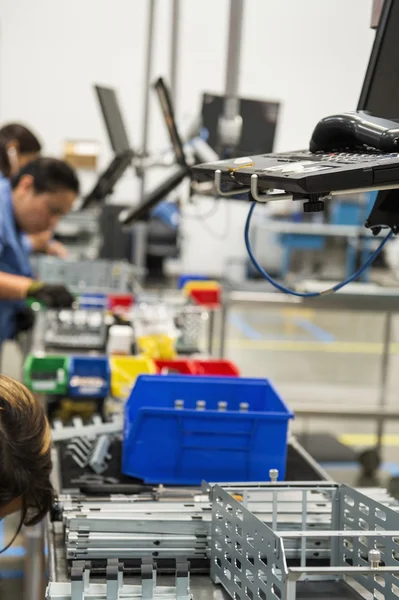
265	540
81	586
252	560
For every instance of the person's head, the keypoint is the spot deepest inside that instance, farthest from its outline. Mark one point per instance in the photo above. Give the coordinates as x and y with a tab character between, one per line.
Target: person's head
18	146
43	191
25	454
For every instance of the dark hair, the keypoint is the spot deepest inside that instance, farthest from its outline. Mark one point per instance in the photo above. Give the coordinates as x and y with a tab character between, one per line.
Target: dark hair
25	452
27	143
49	175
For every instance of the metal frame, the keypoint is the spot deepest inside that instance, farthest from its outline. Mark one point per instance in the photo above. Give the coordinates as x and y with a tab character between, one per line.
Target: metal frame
250	559
81	587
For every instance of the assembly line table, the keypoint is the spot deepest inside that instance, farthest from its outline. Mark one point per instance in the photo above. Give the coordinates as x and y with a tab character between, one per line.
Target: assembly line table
300	467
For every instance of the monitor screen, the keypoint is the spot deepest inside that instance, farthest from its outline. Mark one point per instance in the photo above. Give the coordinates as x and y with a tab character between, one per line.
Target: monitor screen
380	93
259	121
169	117
113	119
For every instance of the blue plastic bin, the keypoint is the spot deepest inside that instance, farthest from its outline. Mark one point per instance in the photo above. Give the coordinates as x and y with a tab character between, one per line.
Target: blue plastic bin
86	368
94	301
164	444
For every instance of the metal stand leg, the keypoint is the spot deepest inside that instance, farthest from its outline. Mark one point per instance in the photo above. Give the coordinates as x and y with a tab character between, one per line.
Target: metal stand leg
384	379
34	585
174	49
223	327
140	248
147	81
370	459
211	331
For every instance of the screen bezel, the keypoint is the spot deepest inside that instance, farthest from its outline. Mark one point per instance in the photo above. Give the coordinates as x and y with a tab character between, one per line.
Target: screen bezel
375	54
100	89
168	114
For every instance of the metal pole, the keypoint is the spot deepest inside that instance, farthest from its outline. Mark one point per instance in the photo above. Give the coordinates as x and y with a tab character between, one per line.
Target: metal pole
231	107
211	331
139	236
223	323
174	47
147	81
384	379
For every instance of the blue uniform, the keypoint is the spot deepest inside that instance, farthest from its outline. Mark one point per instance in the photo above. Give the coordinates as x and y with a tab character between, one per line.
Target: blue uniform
14	257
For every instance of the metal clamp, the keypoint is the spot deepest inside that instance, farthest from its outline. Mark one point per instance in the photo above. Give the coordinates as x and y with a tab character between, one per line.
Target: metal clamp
218	186
256	195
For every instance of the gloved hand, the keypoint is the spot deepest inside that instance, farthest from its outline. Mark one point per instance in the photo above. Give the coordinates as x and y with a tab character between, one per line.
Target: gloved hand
24	319
50	294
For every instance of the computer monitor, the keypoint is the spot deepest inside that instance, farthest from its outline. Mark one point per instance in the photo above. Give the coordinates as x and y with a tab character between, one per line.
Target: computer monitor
168	113
151	199
108	179
380	92
259	122
113	119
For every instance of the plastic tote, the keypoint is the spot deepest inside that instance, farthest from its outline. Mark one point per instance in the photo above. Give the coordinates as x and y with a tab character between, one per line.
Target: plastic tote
89	377
124	372
46	374
185	428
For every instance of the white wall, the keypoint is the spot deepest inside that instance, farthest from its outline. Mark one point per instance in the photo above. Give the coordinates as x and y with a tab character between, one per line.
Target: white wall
309	54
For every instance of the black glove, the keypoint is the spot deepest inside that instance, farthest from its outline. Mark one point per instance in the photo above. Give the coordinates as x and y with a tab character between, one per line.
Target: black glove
50	294
24	320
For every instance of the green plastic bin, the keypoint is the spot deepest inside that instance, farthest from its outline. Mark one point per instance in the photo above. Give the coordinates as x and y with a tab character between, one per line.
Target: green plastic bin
47	374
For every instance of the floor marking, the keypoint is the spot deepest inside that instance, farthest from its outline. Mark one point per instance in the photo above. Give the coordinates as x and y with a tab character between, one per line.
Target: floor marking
315	331
244	327
310	346
388	467
390	440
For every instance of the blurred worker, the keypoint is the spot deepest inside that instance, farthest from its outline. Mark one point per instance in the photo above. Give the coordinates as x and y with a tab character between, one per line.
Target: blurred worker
25	450
42	191
18	146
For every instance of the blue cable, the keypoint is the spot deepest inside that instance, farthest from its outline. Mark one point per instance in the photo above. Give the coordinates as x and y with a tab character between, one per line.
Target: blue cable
286	290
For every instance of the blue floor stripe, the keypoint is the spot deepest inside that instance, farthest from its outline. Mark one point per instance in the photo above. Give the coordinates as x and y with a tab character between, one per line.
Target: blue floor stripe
14	552
388	467
12	574
244	327
320	334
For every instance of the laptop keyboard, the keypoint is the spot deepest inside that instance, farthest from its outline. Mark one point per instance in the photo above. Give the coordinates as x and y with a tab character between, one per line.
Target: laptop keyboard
343	158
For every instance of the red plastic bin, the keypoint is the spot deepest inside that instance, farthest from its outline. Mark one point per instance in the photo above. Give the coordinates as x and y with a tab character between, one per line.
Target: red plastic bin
182	366
210	298
216	367
120	302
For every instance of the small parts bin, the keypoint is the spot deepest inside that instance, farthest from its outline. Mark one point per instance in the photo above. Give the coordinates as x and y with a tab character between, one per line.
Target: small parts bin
184	429
216	367
124	372
46	374
89	377
198	367
120	303
203	293
183	366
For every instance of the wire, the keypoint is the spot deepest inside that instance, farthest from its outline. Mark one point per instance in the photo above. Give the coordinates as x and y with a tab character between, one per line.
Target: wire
286	290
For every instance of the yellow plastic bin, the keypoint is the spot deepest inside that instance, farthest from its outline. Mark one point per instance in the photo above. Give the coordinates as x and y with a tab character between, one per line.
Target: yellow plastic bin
125	370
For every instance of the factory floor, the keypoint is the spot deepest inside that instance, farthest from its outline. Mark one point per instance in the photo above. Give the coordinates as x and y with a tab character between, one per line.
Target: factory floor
329	359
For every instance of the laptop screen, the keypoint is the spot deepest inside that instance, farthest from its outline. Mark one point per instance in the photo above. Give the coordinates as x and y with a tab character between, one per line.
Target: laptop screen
113	119
380	93
169	117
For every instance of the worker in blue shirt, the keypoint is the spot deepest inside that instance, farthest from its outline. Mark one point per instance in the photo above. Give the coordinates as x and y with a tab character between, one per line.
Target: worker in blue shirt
43	191
18	146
